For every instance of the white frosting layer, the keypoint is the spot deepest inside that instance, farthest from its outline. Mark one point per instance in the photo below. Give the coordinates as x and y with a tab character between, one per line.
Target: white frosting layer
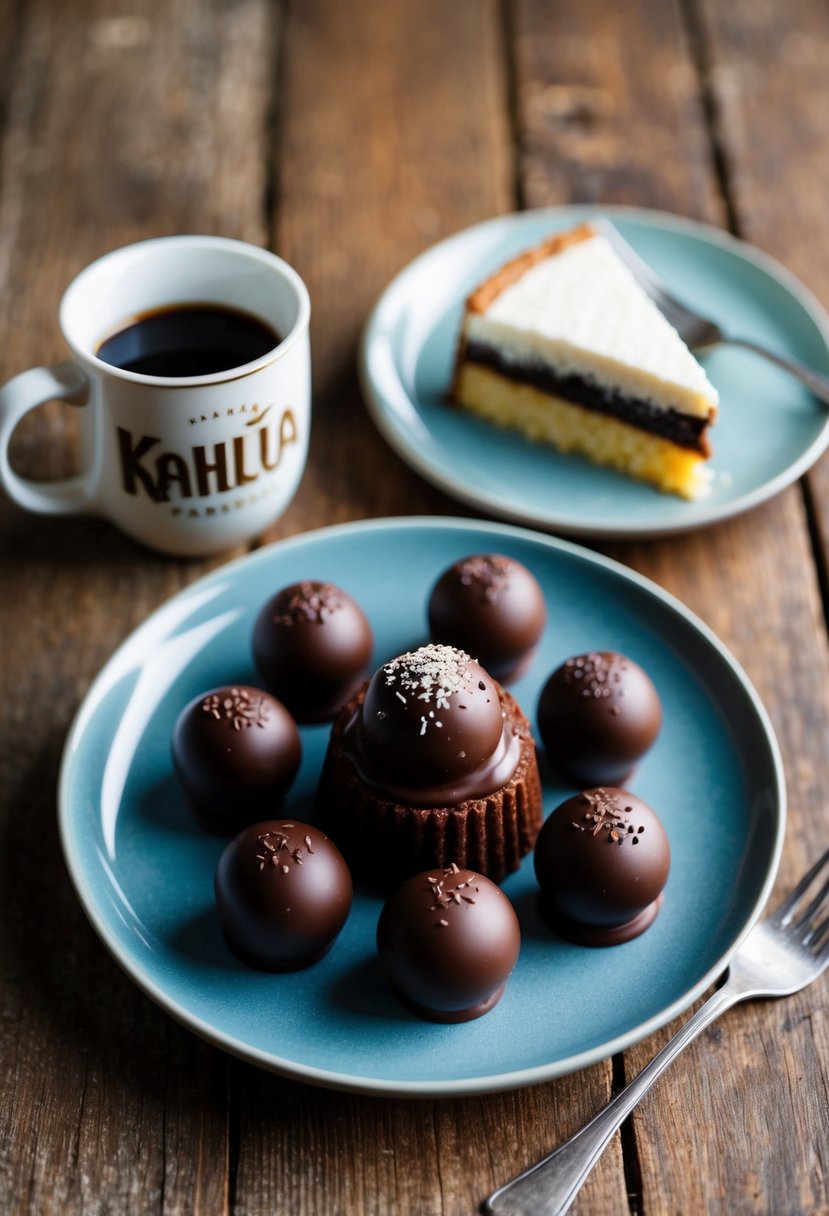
582	312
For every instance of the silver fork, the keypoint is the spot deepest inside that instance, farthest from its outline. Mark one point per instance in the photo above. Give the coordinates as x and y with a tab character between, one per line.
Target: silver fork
697	331
779	956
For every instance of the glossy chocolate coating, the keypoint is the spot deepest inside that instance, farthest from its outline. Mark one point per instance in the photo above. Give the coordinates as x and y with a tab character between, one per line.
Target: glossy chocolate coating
312	644
597	715
284	893
601	860
448	940
430	718
235	751
492	607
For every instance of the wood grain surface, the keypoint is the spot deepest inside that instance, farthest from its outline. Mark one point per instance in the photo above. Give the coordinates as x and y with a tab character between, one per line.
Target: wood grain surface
349	137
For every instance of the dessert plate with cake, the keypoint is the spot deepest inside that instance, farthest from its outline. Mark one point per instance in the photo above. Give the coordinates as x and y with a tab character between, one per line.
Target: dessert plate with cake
521	367
704	760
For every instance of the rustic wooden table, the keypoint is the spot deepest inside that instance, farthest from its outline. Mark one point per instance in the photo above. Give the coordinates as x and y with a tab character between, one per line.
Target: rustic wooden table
349	137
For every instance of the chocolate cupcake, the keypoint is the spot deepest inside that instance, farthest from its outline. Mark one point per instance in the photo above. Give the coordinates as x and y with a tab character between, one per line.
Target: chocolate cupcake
431	763
492	607
601	860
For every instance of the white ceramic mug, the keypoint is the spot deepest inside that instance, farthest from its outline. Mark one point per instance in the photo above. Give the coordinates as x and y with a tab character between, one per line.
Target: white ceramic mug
187	465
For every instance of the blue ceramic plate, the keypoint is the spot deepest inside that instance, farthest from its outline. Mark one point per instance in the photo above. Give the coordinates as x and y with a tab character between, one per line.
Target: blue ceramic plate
144	873
769	430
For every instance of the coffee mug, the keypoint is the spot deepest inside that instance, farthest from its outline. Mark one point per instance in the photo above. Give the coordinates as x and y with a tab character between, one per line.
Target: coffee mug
198	460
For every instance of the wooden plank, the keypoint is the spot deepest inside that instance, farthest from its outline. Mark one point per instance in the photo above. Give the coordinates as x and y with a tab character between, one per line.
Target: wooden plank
608	107
338	1153
95	1106
765	73
753	580
118	127
366	184
11	24
419	151
740	1074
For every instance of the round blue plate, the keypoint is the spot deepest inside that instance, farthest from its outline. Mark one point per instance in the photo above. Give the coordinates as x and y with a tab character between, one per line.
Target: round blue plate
144	872
769	430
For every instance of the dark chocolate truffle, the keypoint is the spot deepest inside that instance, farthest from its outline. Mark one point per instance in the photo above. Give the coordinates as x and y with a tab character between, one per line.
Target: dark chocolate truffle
597	715
601	860
235	751
312	644
491	606
431	717
284	893
448	940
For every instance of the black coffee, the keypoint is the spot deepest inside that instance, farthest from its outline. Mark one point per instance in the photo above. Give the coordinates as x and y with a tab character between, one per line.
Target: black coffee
188	340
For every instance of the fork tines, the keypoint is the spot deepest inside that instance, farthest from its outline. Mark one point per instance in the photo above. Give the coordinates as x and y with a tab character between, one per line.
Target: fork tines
816	935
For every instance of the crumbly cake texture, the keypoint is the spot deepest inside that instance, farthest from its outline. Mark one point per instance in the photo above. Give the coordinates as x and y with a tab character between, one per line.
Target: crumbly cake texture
379	836
566	318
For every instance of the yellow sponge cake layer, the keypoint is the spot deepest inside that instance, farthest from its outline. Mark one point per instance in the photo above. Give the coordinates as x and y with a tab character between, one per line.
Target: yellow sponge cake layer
568	427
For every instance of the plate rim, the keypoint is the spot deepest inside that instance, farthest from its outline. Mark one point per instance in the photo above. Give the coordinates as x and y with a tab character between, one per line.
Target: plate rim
355	1083
386	417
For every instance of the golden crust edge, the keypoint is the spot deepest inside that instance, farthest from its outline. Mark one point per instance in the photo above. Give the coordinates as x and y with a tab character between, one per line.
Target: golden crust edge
483	295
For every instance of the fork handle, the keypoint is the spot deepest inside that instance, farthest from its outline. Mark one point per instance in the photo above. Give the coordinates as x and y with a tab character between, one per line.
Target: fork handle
814	381
549	1187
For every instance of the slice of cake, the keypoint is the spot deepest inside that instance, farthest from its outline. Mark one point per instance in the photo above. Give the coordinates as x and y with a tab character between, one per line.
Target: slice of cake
563	345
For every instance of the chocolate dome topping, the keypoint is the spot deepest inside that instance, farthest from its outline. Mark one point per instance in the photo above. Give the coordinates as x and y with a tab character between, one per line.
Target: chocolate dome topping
431	716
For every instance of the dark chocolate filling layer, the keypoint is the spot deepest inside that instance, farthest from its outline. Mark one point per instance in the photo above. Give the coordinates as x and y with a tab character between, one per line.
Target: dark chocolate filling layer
685	430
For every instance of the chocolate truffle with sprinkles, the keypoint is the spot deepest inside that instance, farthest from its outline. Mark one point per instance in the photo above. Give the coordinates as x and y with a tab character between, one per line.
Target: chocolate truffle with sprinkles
597	716
312	645
236	751
431	717
602	859
283	893
448	940
491	606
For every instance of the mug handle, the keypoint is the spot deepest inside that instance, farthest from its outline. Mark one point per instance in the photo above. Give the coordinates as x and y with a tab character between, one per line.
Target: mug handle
59	382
